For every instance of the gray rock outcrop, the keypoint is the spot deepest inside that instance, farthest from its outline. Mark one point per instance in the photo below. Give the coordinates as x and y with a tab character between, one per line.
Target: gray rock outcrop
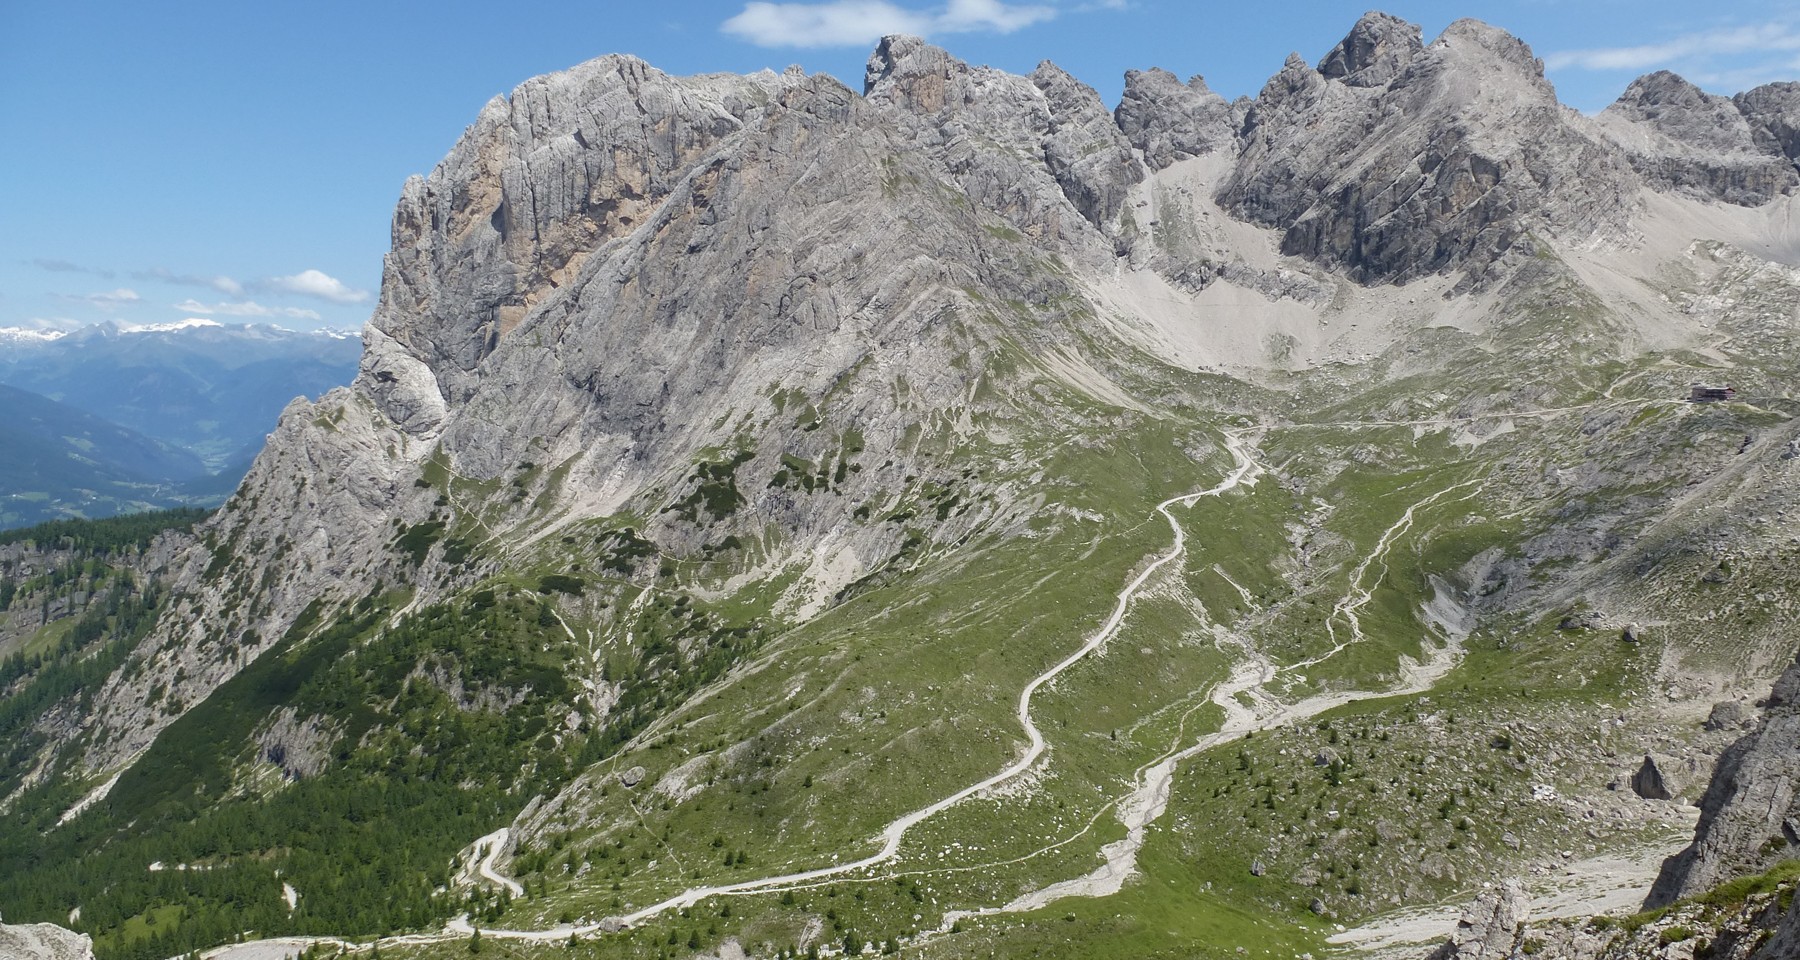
1727	715
1042	151
1492	928
1773	112
1750	813
300	748
1375	52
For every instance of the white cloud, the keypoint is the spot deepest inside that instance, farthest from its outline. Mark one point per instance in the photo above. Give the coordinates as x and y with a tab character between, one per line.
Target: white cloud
314	283
246	308
839	24
223	284
1737	76
843	23
962	16
1764	38
107	300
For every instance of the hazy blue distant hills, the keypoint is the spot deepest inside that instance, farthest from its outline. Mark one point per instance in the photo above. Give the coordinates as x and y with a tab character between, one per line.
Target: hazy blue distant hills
63	462
212	389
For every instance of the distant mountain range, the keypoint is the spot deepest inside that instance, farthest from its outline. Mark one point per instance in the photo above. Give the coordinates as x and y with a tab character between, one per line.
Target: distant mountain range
61	461
121	417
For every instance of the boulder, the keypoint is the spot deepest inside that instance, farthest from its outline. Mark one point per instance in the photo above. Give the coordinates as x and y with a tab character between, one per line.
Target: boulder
1727	715
1656	779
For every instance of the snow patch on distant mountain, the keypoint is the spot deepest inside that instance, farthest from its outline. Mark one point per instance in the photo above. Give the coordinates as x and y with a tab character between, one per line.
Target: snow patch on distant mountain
22	333
191	323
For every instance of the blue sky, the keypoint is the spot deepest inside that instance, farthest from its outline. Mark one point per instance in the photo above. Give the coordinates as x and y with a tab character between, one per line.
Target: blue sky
239	161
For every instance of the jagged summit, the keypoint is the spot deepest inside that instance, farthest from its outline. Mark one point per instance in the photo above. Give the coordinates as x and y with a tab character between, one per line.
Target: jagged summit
1396	161
1167	120
1376	50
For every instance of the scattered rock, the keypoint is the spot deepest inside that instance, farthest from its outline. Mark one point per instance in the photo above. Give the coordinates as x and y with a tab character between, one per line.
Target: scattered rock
1582	620
1317	906
1632	633
1257	868
632	777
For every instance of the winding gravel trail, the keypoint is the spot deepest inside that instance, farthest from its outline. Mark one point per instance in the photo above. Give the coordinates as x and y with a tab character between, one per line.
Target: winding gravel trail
1244	473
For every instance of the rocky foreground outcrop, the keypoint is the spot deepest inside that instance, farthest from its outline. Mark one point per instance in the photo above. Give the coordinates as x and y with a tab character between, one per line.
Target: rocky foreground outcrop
43	941
1748	820
1749	815
1492	928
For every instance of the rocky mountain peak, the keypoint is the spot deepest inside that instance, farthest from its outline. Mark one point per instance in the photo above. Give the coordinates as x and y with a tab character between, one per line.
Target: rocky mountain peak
1459	151
1376	50
907	69
1684	139
1502	46
1004	137
1083	146
1683	112
566	164
1663	88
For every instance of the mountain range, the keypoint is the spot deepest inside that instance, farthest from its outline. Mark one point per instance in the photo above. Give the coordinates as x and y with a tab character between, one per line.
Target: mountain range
958	519
207	393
